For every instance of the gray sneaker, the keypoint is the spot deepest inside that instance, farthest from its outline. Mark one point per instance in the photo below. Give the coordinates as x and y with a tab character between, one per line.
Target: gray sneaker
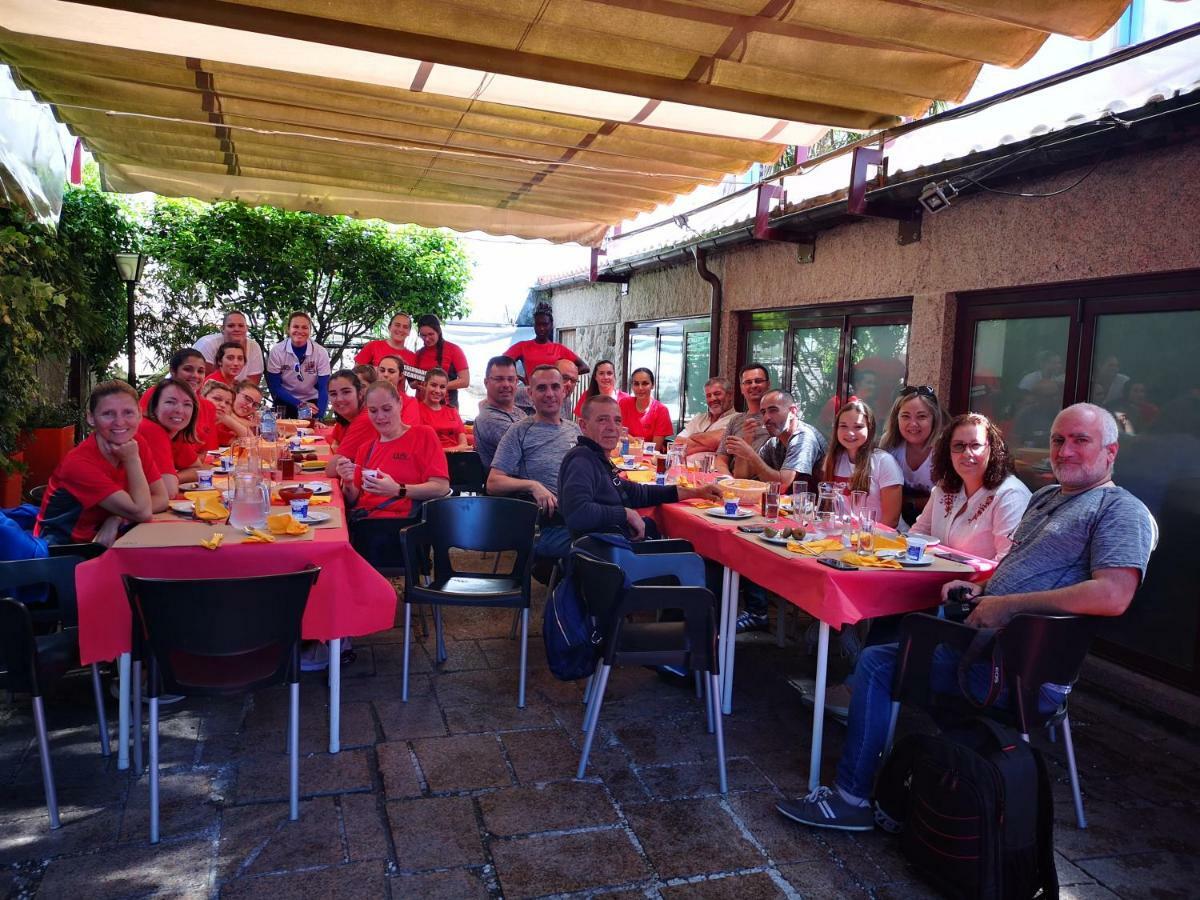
825	808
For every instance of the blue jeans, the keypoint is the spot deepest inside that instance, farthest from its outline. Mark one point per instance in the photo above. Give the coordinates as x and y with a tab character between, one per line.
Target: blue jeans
871	708
554	542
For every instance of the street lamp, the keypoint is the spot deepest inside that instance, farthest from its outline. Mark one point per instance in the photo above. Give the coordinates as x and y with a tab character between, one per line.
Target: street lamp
130	266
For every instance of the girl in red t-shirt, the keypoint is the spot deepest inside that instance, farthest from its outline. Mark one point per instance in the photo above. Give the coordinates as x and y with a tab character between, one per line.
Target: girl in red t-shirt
402	463
108	479
230	361
604	381
352	430
443	419
439	353
394	345
644	416
173	413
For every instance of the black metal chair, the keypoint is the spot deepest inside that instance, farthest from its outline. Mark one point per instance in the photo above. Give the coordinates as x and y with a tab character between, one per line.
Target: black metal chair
690	643
467	473
1036	650
482	524
36	494
218	636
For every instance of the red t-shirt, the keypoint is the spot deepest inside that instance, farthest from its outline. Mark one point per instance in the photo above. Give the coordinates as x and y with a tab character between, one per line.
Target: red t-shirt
71	511
218	375
621	395
534	354
453	358
413	458
655	422
156	438
353	437
446	422
374	351
206	425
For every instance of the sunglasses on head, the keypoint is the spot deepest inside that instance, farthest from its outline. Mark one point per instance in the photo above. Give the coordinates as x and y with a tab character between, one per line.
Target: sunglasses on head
923	390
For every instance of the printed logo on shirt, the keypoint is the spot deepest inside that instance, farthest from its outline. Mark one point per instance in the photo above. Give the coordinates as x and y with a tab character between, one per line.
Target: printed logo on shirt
400	456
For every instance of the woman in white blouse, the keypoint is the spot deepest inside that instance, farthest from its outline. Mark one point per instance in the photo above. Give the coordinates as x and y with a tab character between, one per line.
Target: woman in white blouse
912	429
976	501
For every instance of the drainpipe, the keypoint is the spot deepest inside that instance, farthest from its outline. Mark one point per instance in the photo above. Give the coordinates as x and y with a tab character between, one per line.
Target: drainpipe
714	315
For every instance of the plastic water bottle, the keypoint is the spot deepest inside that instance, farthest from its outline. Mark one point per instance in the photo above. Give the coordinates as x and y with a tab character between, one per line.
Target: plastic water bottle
268	429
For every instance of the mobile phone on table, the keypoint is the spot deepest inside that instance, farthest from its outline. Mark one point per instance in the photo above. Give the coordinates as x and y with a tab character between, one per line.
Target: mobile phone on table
837	564
953	557
751	529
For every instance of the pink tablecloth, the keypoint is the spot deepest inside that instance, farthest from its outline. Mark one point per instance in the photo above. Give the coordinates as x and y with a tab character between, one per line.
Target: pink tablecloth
834	597
349	599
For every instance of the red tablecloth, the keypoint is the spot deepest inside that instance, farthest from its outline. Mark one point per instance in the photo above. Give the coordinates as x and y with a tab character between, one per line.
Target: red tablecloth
349	599
834	597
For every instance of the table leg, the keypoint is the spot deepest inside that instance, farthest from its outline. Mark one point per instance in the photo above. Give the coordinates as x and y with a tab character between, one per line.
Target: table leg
814	763
335	695
123	711
735	583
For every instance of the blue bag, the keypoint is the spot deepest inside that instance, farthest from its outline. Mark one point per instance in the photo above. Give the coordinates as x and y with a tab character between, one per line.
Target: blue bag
572	637
17	543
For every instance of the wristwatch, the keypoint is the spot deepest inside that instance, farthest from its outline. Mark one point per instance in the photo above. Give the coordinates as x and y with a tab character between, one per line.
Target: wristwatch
403	492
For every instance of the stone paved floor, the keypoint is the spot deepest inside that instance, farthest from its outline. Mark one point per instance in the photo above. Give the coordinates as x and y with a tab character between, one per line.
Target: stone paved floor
458	794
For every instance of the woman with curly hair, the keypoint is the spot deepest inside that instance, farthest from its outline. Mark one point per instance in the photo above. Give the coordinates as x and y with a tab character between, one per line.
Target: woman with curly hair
976	501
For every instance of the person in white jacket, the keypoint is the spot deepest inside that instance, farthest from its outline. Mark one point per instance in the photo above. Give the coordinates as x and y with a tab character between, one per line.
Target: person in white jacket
976	500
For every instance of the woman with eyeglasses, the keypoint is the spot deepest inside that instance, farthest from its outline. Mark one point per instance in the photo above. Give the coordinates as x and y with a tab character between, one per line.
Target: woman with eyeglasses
298	369
912	427
977	501
642	414
438	353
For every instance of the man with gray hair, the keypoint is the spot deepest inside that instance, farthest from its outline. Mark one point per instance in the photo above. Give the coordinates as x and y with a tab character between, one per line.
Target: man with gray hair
704	431
794	449
1081	549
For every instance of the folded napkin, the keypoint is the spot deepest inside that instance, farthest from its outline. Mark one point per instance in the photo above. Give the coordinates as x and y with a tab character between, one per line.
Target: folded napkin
640	476
308	440
820	546
208	504
312	465
212	543
703	504
283	523
317	500
885	542
870	562
255	536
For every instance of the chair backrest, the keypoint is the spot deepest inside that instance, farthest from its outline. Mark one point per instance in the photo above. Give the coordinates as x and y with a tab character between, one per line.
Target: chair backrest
219	635
483	524
1040	649
56	573
18	651
466	472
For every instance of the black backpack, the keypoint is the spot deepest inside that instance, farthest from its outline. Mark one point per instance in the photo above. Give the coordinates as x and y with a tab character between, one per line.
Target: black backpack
975	811
571	635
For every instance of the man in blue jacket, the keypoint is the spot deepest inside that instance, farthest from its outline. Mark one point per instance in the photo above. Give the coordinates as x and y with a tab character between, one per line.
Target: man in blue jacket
593	497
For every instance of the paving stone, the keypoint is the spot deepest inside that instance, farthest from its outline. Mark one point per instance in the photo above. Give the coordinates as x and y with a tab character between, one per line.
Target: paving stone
264	776
458	884
690	837
909	890
700	779
435	832
544	754
1086	892
547	864
399	773
389	659
418	718
186	803
1158	875
354	881
500	713
387	687
662	742
502	653
260	838
462	656
822	879
1113	830
784	840
1068	872
83	829
478	688
755	886
181	869
366	827
462	762
566	804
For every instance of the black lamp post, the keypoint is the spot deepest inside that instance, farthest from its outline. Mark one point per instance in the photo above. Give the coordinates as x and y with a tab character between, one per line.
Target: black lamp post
130	265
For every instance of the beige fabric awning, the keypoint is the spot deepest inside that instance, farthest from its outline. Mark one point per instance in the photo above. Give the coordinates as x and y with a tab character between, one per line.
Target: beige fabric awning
536	118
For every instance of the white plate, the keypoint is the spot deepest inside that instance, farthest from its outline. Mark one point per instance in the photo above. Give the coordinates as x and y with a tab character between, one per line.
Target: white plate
721	514
315	517
777	540
189	486
912	564
186	507
624	468
318	487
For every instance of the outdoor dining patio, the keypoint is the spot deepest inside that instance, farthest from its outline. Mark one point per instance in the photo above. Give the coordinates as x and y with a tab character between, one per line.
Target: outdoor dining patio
460	794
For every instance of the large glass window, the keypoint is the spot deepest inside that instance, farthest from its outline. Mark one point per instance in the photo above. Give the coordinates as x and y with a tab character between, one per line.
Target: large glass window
1129	347
678	376
814	368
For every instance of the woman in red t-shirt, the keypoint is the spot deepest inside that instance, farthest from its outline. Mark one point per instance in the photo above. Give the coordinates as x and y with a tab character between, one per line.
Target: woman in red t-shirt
439	353
170	429
351	430
604	381
391	368
188	365
394	345
542	351
107	480
230	361
644	416
402	463
443	419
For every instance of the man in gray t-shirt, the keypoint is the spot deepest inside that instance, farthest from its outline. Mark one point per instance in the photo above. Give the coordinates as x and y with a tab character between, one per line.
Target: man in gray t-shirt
1081	549
793	449
530	454
498	412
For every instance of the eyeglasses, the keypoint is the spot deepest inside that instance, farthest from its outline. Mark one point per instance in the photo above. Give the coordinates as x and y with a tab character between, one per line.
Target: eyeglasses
923	390
958	448
754	381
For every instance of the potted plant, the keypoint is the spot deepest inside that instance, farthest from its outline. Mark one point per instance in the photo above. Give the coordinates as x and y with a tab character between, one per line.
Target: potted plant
12	469
49	436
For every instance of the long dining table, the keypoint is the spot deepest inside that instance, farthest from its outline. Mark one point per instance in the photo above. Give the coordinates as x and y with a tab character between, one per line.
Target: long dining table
349	599
835	598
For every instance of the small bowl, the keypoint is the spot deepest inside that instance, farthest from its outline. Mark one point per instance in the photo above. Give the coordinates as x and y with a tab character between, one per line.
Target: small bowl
288	494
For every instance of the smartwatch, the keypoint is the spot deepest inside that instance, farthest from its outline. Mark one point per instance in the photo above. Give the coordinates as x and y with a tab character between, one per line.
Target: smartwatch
403	492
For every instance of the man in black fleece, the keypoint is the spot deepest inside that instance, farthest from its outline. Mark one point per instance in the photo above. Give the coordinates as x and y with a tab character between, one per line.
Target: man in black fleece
592	496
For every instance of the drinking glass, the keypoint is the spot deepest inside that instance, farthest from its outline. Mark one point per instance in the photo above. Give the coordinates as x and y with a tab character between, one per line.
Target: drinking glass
705	463
771	502
866	531
802	506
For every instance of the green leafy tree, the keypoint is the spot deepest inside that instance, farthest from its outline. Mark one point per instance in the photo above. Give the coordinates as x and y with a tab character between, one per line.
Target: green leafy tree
350	276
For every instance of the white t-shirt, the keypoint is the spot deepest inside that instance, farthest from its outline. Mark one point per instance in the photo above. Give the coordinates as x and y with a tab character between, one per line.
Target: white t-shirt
703	422
211	343
920	477
299	378
885	472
